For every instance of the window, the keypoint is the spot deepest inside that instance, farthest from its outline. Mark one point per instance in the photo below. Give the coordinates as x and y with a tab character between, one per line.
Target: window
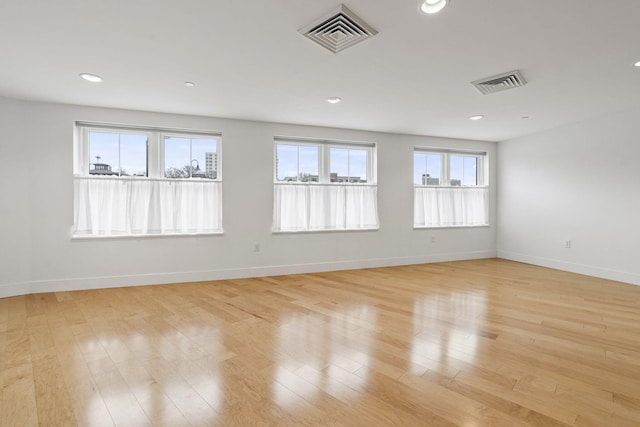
348	164
297	163
134	181
463	170
184	156
427	168
324	185
121	154
450	188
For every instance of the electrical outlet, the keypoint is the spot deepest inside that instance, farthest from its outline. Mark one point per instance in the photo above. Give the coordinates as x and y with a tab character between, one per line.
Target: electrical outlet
567	244
256	247
433	239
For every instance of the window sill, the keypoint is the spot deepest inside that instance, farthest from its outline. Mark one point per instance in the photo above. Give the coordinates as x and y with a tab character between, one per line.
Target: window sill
328	184
143	236
431	227
143	178
342	230
479	187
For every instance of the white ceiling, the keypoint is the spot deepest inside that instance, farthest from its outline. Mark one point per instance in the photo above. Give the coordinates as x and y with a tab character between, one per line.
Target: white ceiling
249	61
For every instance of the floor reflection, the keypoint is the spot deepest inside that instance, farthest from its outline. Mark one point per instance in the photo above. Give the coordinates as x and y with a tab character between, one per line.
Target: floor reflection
162	377
446	326
324	354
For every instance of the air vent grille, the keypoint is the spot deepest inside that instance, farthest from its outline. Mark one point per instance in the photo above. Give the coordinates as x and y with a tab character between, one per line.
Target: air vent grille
338	30
501	82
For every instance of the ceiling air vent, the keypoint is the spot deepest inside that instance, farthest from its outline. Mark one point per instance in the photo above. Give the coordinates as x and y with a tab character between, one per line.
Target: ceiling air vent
338	30
503	81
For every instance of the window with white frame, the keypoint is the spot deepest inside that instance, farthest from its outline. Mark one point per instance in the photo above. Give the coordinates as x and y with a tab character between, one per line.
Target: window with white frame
324	185
139	181
450	188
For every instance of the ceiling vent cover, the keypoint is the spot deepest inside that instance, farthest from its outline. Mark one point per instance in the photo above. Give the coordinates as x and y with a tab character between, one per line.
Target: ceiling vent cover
503	81
338	30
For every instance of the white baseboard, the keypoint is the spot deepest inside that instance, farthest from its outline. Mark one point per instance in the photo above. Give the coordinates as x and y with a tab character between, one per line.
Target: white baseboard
84	283
14	289
589	270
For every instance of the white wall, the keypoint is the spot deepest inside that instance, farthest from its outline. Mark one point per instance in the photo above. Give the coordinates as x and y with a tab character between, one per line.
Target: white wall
15	196
36	211
581	183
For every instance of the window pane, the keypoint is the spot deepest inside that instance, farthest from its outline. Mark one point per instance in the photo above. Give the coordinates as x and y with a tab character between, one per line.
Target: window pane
464	170
301	163
419	167
434	170
133	155
308	163
103	153
470	171
204	157
357	165
348	164
286	162
427	169
339	164
117	154
457	171
177	156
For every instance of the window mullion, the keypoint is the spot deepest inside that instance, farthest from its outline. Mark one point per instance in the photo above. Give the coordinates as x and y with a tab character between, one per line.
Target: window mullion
464	170
190	160
425	180
119	154
85	161
156	154
446	181
298	163
370	171
324	166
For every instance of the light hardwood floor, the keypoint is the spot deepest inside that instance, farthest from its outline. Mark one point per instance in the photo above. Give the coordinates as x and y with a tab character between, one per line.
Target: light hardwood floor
472	343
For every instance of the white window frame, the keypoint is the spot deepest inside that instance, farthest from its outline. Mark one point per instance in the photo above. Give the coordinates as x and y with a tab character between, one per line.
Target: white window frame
324	167
155	165
482	180
191	135
299	144
155	146
81	147
370	163
352	205
481	157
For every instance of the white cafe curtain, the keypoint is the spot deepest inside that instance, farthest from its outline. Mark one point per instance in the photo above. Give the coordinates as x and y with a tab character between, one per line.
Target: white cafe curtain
125	207
317	207
450	206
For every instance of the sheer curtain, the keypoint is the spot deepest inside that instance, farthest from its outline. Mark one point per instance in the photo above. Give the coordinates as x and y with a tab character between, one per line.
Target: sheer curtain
450	206
317	207
124	207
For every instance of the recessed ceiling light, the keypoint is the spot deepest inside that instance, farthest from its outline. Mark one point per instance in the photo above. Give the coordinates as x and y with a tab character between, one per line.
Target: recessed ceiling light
432	6
334	100
478	117
91	78
189	84
637	64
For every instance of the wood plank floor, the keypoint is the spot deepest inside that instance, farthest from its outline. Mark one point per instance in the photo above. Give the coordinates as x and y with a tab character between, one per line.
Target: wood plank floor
472	343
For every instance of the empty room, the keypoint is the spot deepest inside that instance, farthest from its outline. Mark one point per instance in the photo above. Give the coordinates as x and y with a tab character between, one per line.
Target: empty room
314	213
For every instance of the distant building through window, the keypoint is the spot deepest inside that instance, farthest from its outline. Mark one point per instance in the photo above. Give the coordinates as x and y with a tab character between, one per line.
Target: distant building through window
101	168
